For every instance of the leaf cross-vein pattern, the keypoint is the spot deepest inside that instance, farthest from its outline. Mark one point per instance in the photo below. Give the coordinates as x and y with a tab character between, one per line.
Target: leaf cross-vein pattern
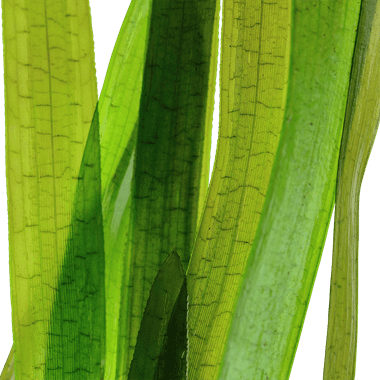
360	128
161	348
253	80
50	96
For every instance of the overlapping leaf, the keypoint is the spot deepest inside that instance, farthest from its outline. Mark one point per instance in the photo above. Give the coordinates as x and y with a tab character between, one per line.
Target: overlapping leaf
118	107
275	291
50	96
77	334
171	145
161	348
243	276
118	115
360	128
254	69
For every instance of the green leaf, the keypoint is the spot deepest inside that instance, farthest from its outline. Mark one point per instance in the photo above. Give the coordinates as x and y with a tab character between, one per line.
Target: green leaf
119	100
76	346
8	370
254	68
118	107
50	98
360	128
74	299
169	158
172	363
119	104
161	346
277	283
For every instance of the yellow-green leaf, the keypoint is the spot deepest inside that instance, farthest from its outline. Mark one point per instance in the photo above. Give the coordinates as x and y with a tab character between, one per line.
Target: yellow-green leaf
280	272
360	128
119	99
74	298
8	370
77	334
161	346
50	98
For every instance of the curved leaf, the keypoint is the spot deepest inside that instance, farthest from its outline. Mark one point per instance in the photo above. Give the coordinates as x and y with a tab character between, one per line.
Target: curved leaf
119	99
77	334
169	151
280	272
254	67
360	128
50	97
118	113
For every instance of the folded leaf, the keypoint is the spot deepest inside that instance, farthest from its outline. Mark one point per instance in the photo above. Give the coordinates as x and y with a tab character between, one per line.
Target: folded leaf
360	128
161	346
50	98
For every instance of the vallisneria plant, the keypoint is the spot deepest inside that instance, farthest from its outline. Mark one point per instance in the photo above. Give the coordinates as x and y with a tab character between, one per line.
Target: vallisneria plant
125	262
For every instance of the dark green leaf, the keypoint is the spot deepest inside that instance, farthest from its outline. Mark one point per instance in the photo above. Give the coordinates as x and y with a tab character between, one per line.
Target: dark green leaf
161	348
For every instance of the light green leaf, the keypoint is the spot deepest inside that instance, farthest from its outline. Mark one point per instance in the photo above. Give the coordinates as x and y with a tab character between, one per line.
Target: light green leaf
161	345
8	372
81	286
119	100
118	106
263	225
282	266
50	98
76	345
254	68
360	128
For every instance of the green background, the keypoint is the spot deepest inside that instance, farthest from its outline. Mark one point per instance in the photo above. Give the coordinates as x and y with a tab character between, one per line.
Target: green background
107	18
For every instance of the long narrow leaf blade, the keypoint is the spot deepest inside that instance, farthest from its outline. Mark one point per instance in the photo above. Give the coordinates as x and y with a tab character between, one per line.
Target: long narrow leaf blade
169	151
172	363
360	128
281	269
254	67
119	104
90	190
50	96
163	326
